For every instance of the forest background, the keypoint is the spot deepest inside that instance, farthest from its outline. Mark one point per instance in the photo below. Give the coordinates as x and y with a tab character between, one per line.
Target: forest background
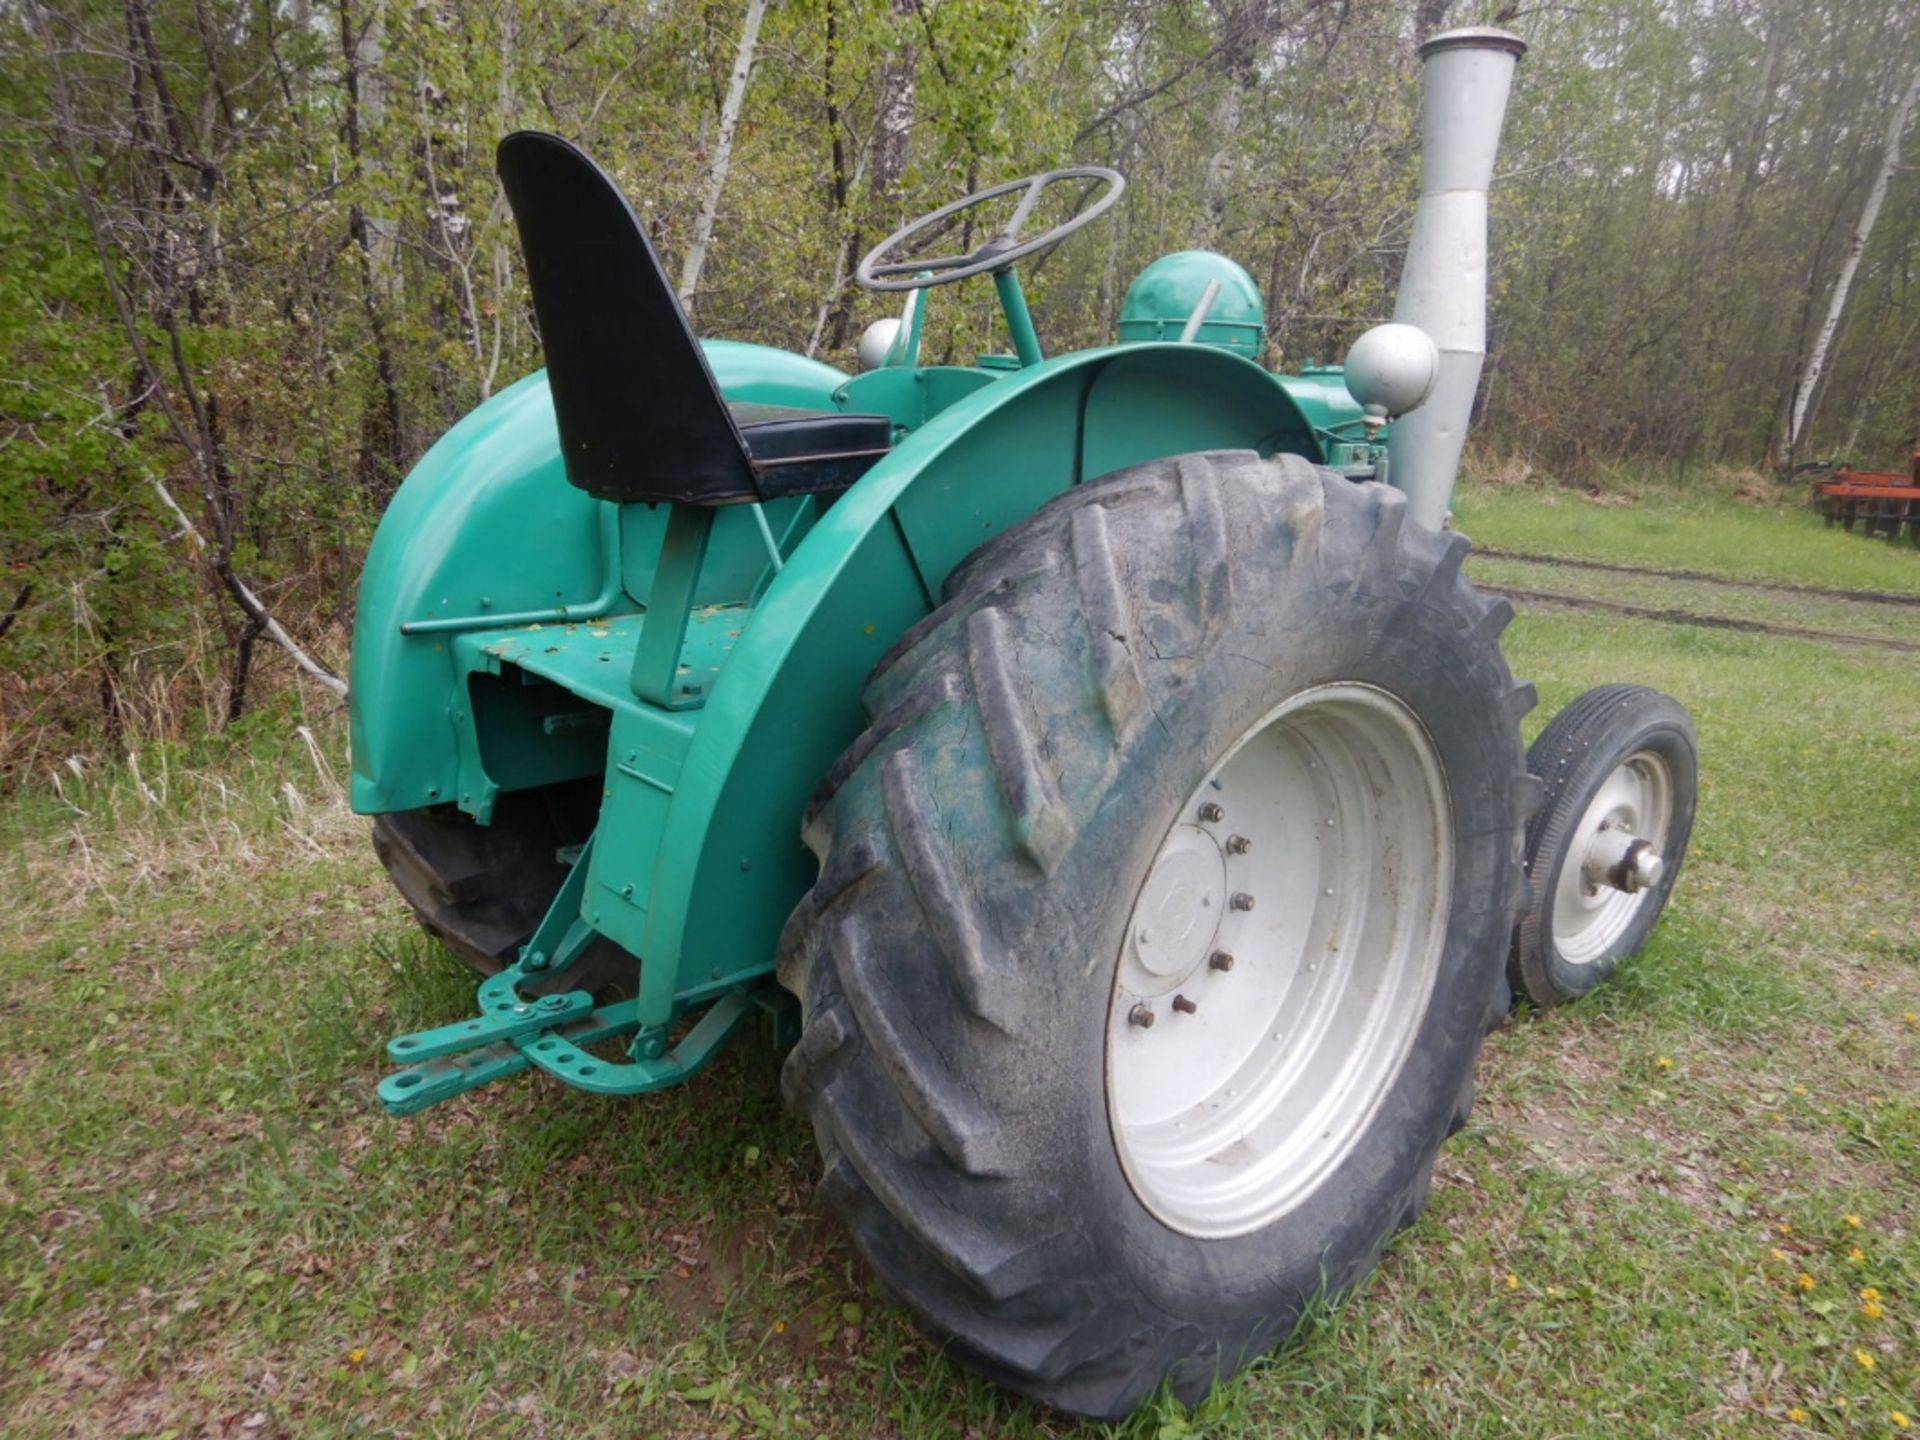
254	258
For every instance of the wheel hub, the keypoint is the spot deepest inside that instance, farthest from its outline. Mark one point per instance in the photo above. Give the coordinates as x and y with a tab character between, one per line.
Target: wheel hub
1618	858
1178	913
1280	954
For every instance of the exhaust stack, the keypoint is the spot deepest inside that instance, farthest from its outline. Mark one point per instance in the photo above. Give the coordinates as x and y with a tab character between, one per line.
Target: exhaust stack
1443	289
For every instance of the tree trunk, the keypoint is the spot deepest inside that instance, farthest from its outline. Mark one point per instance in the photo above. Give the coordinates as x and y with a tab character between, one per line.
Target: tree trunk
1807	392
886	158
382	431
198	428
1218	188
722	154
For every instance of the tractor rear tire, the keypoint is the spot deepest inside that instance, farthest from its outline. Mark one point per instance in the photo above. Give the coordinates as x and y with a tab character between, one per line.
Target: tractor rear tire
482	889
1040	744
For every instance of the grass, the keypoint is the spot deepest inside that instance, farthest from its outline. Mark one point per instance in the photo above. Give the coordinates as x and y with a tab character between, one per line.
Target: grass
1676	528
206	1228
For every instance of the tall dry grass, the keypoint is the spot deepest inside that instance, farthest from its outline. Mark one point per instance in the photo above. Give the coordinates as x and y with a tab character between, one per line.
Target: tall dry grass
82	830
66	690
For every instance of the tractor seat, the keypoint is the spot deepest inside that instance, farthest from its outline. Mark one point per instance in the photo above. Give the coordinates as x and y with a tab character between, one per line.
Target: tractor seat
800	452
641	417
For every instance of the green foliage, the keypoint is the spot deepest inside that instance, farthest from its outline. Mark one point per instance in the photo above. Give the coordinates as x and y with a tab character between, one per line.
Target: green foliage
298	207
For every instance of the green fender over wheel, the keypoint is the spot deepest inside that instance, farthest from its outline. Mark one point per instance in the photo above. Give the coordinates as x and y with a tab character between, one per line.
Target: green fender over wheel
488	537
485	530
788	700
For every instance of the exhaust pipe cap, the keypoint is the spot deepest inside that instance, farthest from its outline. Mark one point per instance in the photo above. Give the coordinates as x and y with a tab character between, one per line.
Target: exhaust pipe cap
1479	37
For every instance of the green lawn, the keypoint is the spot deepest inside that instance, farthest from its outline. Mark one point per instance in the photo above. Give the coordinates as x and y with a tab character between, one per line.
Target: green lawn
1678	529
1663	1219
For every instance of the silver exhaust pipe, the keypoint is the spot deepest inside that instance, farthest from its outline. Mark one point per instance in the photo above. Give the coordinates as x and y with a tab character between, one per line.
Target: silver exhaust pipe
1443	288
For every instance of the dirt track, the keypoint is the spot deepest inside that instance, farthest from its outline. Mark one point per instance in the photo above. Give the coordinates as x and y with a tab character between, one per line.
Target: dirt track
1870	597
1688	617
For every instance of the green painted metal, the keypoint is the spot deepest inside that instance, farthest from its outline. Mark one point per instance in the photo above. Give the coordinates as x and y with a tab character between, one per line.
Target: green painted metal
486	531
787	700
1013	303
905	349
562	936
555	1038
1161	301
514	632
1339	423
658	677
554	1032
910	398
766	376
520	1019
408	1091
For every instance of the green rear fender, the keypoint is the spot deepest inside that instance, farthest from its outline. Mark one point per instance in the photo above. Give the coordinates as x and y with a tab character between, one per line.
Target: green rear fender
730	864
487	528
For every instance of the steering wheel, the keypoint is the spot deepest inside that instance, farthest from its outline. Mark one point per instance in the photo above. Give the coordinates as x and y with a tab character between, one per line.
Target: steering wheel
999	252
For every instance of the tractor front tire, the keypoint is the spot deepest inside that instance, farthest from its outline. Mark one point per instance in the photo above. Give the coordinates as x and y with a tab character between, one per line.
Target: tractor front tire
1620	758
1190	689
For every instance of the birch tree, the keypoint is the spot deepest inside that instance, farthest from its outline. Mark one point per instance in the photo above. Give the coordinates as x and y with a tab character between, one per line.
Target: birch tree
1806	393
722	153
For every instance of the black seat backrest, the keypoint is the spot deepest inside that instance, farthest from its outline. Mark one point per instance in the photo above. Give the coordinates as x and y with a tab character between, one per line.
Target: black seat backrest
641	417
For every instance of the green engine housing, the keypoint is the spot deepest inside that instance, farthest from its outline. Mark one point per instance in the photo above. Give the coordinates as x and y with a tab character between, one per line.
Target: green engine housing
1163	299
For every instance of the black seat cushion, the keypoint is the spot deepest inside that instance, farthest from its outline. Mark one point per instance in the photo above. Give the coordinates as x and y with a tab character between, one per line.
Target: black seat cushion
798	452
641	417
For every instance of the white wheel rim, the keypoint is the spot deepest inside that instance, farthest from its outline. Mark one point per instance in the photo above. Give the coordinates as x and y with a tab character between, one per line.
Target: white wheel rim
1590	915
1229	1114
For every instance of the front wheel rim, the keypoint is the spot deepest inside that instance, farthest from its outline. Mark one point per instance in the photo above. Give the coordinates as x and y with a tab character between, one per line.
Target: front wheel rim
1279	958
1590	915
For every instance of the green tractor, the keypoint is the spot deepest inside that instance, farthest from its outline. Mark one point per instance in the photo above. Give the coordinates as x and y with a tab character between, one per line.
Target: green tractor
1095	768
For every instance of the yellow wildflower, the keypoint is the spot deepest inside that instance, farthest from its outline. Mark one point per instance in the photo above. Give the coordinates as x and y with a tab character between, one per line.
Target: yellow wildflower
1898	1420
1854	1222
779	1327
1513	1281
1778	1253
1805	1282
1871	1293
1872	1310
356	1355
1840	1402
1857	1256
1864	1359
1665	1062
1784	1228
1912	1017
1798	1416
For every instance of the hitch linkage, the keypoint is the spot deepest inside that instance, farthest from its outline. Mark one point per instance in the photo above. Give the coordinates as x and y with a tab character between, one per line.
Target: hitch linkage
513	1032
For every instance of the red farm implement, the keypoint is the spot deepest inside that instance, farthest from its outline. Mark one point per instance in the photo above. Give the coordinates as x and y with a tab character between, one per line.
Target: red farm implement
1885	503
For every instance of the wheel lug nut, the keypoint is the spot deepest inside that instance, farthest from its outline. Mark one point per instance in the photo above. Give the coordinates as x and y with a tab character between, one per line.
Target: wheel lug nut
1184	1005
1238	844
1212	813
1221	960
1140	1015
1241	900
